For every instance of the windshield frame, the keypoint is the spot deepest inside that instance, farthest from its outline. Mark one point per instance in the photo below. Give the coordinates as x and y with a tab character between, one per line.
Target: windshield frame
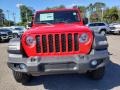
52	11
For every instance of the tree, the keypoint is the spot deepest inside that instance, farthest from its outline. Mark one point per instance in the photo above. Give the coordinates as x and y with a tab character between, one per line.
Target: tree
4	21
83	10
111	15
8	23
61	6
56	7
114	14
99	5
2	17
26	14
96	10
106	16
99	9
90	8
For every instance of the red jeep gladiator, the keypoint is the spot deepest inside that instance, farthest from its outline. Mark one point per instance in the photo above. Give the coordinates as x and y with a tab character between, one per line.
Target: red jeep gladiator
58	42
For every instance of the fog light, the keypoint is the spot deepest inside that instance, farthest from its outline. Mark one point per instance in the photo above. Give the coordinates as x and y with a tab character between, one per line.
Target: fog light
33	59
75	68
94	63
22	66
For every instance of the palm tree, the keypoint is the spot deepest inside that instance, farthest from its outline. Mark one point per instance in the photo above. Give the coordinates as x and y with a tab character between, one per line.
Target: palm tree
90	8
99	7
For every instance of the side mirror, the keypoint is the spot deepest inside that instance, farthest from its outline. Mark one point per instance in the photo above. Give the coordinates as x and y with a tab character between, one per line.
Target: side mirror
30	24
85	21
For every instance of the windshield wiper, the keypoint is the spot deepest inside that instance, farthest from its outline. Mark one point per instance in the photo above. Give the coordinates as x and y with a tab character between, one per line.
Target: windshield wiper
62	22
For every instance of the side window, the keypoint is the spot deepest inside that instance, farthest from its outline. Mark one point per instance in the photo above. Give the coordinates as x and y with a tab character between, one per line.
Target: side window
92	25
101	24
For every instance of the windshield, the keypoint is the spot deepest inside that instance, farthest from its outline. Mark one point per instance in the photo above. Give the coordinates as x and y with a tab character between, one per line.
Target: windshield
20	29
57	17
97	24
5	30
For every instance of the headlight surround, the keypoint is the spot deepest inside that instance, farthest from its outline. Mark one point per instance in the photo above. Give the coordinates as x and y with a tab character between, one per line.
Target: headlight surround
30	40
83	38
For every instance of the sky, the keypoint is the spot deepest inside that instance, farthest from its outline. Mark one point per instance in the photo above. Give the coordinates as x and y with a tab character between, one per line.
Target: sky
11	5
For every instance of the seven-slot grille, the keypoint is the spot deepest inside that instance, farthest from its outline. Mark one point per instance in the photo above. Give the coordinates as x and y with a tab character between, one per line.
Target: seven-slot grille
3	34
53	43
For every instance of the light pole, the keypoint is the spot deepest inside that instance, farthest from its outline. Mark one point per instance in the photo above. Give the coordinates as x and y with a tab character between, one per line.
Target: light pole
102	14
26	16
88	14
118	12
18	6
14	19
8	17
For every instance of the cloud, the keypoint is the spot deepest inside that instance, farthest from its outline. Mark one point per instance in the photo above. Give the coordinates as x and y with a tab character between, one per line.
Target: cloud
71	6
18	5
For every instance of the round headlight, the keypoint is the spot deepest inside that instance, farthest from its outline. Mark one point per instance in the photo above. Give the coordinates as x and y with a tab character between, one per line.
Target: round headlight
83	38
30	40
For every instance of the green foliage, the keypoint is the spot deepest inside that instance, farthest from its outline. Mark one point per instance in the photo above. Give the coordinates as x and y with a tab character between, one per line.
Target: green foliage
2	16
83	10
111	15
4	21
55	7
97	12
8	23
94	17
21	24
90	8
99	5
26	14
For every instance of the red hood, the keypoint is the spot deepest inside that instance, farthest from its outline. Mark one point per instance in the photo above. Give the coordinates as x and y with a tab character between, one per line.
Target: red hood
57	28
84	48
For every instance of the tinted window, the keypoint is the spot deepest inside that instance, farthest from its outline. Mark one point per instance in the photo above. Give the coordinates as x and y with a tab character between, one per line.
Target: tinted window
6	30
97	24
57	17
101	24
18	28
92	24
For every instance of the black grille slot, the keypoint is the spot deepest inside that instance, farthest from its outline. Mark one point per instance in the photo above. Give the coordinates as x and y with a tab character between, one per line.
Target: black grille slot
50	40
44	43
38	47
63	41
69	42
57	43
76	42
54	41
3	34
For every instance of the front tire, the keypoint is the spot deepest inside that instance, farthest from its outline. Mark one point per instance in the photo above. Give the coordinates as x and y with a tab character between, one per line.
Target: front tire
97	74
15	35
21	77
119	33
7	40
103	32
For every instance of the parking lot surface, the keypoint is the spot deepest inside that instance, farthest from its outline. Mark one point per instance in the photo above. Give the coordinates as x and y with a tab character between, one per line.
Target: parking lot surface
111	79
